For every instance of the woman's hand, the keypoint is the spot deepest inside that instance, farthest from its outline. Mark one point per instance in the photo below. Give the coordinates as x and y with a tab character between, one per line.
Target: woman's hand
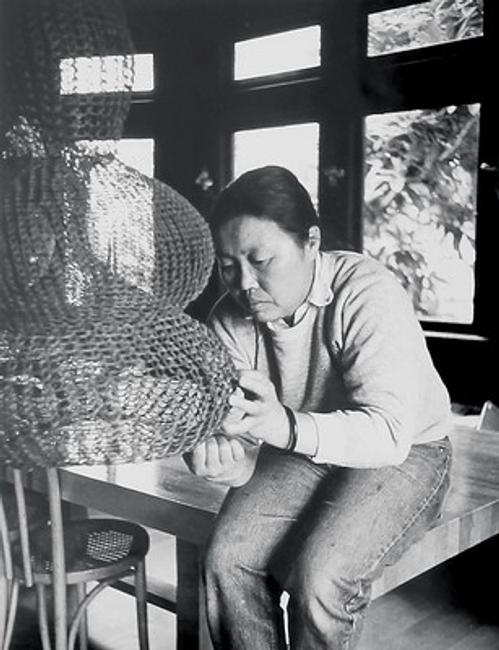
222	459
263	416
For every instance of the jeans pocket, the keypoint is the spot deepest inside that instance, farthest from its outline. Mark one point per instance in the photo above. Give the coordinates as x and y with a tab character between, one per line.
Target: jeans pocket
429	462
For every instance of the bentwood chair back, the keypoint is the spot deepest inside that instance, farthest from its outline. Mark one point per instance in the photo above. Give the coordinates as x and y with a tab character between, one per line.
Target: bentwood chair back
40	553
36	511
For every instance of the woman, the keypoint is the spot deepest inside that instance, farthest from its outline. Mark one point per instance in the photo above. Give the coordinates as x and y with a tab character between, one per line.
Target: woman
336	444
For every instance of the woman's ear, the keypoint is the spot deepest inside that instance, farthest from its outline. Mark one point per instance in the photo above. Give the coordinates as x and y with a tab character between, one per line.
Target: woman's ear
314	238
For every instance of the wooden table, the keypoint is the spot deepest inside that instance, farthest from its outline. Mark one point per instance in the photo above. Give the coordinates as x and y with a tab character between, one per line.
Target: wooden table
165	496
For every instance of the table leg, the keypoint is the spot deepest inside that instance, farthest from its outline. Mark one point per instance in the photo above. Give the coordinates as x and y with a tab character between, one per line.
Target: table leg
192	630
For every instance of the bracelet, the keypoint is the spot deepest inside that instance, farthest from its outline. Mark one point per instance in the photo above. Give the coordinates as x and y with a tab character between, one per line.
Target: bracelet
316	450
293	429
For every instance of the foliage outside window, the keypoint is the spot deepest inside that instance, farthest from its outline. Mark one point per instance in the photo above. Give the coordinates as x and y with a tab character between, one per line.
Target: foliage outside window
420	205
427	23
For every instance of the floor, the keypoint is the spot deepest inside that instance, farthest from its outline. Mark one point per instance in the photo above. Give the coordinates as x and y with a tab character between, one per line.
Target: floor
448	608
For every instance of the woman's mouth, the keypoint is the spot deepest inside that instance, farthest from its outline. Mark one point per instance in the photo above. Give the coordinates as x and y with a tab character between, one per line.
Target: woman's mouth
256	305
252	304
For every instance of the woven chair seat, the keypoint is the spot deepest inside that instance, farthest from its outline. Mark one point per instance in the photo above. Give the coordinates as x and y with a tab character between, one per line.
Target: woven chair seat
94	549
58	554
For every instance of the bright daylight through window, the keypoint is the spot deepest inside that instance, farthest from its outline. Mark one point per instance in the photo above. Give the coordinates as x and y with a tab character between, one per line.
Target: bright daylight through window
294	146
297	49
420	205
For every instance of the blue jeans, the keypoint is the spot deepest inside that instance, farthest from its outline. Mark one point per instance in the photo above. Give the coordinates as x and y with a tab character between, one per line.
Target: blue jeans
322	533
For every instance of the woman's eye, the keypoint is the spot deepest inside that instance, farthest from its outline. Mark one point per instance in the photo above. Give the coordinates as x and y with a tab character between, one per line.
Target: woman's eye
261	262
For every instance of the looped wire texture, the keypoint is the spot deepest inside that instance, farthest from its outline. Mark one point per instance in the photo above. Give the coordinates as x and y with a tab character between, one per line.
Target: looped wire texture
98	361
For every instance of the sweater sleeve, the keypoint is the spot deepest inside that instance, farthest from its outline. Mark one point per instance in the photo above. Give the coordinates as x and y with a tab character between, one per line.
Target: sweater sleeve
232	332
393	391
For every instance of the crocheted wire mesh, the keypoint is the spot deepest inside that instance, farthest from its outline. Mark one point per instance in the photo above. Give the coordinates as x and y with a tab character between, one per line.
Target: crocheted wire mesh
68	68
82	231
98	362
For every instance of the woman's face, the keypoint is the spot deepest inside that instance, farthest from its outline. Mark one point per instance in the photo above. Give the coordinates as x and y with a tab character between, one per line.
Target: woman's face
264	267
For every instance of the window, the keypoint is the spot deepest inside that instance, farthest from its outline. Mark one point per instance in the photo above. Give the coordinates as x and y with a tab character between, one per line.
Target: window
423	212
293	146
111	74
384	109
82	75
277	53
276	123
134	152
143	73
413	117
426	23
420	205
279	107
137	153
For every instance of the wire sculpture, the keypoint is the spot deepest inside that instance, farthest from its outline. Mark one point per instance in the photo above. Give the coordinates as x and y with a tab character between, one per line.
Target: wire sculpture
99	363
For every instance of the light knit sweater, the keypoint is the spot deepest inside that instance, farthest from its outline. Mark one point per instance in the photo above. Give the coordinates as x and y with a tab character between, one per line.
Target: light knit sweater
356	362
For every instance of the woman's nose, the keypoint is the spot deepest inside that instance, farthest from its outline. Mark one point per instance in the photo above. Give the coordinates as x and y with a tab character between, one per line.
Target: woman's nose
247	280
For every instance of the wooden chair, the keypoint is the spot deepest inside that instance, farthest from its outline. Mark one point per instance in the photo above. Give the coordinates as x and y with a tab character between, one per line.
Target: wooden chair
37	513
40	553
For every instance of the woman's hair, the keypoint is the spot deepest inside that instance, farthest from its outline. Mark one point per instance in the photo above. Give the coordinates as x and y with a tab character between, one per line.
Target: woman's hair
272	193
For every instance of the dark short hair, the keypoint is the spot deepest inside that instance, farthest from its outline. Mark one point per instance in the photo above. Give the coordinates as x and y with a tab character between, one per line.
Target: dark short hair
270	192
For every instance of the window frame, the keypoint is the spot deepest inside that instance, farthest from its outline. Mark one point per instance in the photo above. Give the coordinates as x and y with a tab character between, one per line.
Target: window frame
432	77
209	105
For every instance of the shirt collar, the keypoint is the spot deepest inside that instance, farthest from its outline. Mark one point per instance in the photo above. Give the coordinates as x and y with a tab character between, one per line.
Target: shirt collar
320	295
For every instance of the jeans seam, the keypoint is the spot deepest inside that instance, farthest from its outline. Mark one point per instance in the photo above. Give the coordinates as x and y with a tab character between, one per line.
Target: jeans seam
426	503
353	619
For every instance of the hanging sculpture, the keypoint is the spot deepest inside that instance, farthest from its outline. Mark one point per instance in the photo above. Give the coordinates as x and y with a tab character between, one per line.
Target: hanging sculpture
98	361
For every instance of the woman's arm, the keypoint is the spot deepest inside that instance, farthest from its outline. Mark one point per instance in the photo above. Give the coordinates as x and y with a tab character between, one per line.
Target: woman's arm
226	459
392	389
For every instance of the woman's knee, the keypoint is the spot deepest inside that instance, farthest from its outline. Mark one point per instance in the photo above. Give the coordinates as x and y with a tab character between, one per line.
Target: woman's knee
326	607
331	590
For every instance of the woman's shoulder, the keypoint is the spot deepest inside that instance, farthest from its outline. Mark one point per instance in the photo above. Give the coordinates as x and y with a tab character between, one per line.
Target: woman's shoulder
349	266
355	277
